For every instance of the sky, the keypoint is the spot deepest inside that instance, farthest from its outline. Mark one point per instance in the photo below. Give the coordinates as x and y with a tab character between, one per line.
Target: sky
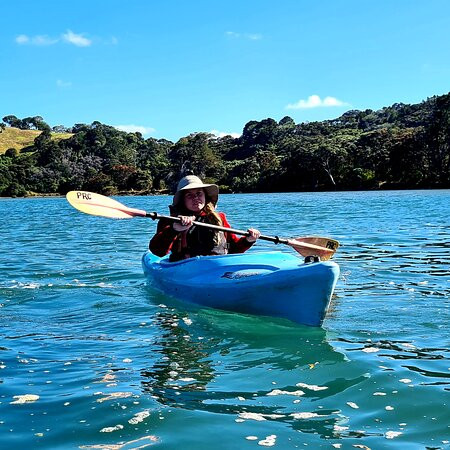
172	68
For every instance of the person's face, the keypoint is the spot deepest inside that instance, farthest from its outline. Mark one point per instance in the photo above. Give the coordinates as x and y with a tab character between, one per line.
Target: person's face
194	200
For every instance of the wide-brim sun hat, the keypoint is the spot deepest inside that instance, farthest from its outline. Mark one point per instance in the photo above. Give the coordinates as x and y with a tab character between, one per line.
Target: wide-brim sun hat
194	182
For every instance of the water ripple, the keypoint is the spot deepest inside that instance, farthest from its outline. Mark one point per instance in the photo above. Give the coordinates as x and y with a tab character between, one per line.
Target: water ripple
101	359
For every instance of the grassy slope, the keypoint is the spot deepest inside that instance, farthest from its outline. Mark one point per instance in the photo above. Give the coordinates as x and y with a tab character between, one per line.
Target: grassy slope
18	139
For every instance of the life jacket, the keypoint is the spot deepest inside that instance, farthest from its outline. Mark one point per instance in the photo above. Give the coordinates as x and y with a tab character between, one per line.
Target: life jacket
199	241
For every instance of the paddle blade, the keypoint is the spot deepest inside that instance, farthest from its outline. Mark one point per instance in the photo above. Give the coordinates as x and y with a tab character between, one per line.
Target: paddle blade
99	205
326	242
323	247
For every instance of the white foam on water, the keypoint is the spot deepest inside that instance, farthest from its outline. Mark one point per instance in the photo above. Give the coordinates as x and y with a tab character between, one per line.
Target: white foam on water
26	398
259	417
280	392
111	429
312	387
353	405
269	441
340	428
392	434
304	415
139	417
370	350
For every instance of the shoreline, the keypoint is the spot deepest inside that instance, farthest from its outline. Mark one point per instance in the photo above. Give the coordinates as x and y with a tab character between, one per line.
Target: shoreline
148	194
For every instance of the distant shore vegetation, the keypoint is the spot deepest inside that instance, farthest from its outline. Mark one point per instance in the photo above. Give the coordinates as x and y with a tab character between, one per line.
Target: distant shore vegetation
397	147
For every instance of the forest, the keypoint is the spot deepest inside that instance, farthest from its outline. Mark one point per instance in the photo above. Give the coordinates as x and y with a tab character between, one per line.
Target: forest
397	147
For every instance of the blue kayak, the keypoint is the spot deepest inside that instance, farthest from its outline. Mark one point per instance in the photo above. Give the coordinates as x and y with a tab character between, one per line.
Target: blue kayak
272	284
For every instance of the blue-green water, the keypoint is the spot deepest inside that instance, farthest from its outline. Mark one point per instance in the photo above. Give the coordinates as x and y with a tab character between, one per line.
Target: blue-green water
110	363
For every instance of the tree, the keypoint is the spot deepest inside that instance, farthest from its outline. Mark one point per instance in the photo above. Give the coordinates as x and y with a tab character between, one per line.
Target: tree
12	121
256	136
287	122
34	123
152	158
61	129
194	154
101	183
6	175
11	153
399	145
123	176
409	159
437	139
244	175
46	149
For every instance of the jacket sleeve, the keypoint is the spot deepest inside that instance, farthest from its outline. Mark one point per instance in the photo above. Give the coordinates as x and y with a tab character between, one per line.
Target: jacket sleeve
236	245
161	243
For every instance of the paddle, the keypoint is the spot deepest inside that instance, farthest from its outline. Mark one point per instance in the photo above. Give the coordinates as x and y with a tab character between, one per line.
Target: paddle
99	205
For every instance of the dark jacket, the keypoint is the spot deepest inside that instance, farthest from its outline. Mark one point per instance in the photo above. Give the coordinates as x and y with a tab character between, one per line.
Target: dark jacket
197	241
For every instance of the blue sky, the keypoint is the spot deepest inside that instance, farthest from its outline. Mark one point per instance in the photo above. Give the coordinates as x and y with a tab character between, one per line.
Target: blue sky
170	68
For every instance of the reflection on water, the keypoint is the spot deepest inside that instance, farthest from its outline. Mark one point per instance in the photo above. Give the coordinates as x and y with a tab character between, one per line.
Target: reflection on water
180	366
212	367
261	370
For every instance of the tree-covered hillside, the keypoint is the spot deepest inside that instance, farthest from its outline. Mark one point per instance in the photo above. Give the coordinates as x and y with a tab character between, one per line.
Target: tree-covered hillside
400	146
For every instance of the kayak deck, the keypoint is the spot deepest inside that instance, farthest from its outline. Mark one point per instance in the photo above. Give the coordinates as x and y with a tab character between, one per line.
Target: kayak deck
273	284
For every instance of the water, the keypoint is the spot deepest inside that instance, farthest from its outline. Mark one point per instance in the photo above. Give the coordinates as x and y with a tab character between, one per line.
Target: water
110	363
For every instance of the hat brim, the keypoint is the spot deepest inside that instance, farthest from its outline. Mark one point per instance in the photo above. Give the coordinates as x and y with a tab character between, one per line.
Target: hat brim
211	190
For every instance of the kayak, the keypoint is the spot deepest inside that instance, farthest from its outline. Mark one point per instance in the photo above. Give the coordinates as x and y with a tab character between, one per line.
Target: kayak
274	283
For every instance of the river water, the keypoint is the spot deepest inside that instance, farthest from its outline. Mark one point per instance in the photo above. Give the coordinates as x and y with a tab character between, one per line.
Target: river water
93	357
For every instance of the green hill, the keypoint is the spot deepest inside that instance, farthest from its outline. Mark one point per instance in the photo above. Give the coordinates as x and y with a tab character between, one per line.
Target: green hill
397	147
14	138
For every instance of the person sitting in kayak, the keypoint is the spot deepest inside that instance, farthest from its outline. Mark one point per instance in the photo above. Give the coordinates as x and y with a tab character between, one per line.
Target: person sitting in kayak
196	201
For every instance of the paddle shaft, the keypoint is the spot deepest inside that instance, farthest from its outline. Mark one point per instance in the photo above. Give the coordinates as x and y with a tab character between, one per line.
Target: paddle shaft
275	239
99	205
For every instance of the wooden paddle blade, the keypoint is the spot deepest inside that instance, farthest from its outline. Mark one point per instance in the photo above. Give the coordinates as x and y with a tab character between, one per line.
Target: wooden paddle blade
310	248
99	205
326	242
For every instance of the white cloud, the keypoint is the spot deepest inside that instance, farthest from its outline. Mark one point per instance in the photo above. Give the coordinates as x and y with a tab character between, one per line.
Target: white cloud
134	129
22	39
76	39
223	133
314	101
35	40
253	36
43	40
63	84
40	40
250	36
